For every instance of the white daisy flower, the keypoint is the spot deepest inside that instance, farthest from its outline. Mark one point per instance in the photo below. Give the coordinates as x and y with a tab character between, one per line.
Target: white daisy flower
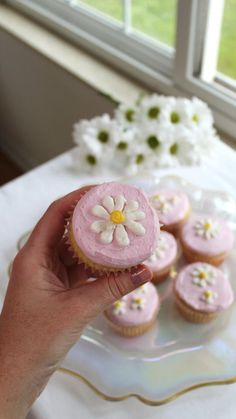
203	276
137	303
116	217
160	250
87	161
206	228
141	290
151	108
162	204
199	114
97	134
118	307
125	115
209	296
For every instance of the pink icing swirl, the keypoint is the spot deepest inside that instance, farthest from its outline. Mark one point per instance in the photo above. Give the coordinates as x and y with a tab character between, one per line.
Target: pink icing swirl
193	295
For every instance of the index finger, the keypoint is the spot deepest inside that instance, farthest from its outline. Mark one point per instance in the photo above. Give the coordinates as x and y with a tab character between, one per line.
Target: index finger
50	228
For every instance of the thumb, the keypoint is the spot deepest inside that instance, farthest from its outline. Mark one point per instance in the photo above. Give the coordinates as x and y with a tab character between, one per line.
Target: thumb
109	288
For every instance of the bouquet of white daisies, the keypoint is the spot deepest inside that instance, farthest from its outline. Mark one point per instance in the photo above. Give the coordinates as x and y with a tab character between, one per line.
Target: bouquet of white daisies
157	132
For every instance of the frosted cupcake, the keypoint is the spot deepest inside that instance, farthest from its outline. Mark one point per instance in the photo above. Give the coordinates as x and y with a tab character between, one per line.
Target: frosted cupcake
113	227
135	313
172	207
163	257
202	292
207	239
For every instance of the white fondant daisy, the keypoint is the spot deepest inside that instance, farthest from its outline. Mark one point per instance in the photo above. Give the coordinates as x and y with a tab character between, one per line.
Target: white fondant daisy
117	215
160	250
141	290
162	204
119	307
137	303
206	228
203	275
209	296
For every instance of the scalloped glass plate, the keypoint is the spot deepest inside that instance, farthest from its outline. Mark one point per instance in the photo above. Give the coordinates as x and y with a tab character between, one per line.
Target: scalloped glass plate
175	356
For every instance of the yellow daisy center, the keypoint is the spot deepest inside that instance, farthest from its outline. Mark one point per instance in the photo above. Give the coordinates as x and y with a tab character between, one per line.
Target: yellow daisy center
117	304
138	300
208	294
202	275
207	226
117	217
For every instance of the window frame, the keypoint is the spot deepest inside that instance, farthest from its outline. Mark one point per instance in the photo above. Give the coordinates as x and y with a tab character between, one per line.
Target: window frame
154	66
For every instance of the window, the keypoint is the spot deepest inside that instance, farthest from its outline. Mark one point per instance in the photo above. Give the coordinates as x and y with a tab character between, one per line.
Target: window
177	47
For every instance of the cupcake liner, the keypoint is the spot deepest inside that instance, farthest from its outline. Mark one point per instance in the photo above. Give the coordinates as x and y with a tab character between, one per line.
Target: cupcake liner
131	331
192	257
192	315
95	267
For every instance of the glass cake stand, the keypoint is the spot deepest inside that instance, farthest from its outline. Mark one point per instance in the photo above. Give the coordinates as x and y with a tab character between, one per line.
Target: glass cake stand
174	356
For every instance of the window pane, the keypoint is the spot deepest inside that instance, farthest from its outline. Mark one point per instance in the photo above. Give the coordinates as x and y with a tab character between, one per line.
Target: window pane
112	8
227	56
156	18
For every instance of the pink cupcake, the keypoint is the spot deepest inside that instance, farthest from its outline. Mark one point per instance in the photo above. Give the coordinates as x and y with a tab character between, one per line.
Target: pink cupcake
172	207
113	227
202	292
163	257
135	313
206	238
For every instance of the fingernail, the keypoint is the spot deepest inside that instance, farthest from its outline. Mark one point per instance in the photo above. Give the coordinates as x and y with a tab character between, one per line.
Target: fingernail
140	275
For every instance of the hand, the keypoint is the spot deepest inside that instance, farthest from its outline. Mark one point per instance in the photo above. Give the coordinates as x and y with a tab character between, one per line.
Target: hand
47	305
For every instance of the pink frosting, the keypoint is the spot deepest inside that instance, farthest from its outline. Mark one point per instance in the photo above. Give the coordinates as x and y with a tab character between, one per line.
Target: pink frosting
113	255
221	243
177	211
134	317
167	256
191	293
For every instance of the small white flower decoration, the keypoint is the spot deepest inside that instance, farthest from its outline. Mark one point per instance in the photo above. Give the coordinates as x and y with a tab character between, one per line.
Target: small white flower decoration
119	307
206	228
141	290
203	276
209	296
162	204
160	250
116	217
137	303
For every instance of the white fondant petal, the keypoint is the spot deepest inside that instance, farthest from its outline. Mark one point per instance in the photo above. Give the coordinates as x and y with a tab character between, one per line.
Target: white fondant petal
121	235
136	228
135	215
106	236
119	202
108	203
99	211
131	205
98	226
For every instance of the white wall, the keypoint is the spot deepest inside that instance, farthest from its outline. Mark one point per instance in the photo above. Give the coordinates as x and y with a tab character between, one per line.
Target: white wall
39	102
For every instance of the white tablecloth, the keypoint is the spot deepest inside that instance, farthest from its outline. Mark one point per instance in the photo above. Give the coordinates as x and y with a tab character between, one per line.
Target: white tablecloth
22	201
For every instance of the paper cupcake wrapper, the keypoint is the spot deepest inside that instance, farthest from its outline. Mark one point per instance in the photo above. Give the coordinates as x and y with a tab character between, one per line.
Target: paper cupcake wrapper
131	331
193	315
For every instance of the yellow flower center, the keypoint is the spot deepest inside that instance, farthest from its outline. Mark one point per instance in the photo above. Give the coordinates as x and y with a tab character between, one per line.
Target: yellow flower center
117	217
157	197
117	304
208	294
138	300
202	275
207	226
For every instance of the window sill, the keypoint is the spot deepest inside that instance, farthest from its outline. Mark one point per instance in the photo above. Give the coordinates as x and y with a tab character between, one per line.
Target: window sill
70	58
